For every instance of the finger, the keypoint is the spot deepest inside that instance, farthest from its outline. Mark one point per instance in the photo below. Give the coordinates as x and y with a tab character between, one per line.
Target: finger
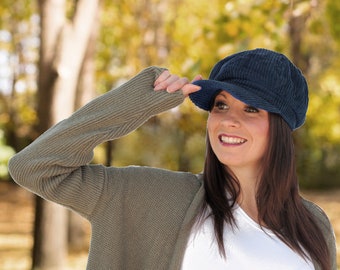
197	78
190	88
176	84
170	80
162	77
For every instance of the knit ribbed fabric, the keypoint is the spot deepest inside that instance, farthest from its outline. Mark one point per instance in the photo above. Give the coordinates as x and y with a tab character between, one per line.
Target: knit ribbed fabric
260	78
140	217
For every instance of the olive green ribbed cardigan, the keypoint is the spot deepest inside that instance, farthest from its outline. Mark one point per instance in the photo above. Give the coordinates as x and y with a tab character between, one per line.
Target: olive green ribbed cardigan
140	216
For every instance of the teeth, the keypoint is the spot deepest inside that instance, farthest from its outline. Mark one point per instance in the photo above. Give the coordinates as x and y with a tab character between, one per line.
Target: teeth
232	140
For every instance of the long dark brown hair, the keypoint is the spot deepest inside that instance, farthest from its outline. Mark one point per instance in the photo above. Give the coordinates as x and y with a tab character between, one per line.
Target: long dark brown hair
279	204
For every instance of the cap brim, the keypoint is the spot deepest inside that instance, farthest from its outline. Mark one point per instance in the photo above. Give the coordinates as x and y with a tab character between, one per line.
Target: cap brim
204	98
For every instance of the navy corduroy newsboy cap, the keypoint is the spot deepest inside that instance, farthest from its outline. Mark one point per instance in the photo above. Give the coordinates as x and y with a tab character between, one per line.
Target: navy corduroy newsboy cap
260	78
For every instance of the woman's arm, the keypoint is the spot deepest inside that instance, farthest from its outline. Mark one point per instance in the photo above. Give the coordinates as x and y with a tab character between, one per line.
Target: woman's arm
55	166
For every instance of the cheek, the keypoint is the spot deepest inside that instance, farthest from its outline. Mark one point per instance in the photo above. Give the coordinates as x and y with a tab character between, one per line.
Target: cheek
261	126
210	129
209	132
263	133
211	125
212	121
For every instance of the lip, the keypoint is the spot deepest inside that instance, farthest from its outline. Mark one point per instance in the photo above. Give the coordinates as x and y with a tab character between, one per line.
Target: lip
231	140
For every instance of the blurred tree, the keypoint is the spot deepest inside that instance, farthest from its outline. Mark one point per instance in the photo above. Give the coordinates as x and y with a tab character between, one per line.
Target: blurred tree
316	47
18	56
137	40
5	153
77	234
143	36
64	41
188	41
208	31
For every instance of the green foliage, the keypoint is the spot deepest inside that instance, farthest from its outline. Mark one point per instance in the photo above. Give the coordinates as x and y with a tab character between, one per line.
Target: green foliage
6	152
332	15
18	71
188	37
175	140
13	11
319	153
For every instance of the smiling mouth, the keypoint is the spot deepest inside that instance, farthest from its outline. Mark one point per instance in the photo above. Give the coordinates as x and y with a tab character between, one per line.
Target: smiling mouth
231	140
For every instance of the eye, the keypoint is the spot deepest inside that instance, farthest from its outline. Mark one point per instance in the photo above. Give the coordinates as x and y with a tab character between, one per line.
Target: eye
251	109
221	105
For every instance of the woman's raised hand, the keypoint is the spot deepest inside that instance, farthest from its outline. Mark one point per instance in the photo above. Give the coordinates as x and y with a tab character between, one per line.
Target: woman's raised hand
172	83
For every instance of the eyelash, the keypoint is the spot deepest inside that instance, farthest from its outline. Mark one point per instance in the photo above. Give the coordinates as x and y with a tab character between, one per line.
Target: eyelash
252	109
220	104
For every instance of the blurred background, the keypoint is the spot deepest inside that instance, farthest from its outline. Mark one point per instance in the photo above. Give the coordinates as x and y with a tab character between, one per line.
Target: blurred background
56	55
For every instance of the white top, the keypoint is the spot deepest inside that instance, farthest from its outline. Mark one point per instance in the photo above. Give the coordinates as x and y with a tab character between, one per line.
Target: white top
247	247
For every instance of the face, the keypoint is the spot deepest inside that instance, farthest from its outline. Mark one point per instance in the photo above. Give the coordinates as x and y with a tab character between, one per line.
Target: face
238	133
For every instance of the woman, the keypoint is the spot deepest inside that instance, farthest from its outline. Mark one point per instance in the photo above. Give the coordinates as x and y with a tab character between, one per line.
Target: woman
244	210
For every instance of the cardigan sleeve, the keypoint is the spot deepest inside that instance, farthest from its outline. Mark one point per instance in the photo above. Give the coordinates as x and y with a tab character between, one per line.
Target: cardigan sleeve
56	165
326	227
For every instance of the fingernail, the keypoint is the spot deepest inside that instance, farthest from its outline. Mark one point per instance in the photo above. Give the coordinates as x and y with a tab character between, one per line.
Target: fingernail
157	87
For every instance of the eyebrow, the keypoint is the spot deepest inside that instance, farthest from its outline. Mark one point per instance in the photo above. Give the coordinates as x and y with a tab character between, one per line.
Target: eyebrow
222	94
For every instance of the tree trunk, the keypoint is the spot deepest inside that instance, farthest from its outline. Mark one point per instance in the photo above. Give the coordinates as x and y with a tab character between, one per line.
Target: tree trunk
77	231
49	250
297	27
63	46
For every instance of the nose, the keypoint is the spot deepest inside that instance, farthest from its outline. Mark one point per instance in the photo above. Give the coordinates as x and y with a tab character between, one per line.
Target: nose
231	118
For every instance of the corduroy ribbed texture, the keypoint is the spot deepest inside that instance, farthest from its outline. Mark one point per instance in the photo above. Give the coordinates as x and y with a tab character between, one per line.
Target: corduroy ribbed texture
260	78
140	216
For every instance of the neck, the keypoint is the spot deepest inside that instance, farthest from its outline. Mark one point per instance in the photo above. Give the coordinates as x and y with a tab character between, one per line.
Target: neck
248	203
247	199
